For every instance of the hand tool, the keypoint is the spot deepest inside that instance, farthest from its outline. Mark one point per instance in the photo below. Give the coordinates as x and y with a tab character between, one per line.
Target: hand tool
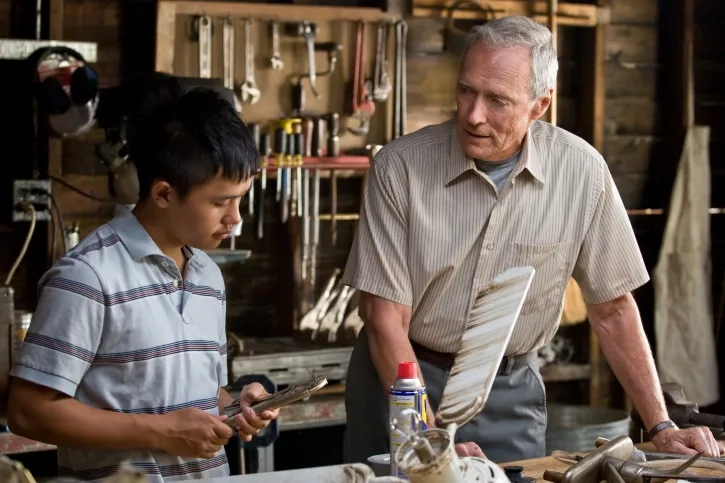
276	61
265	150
308	133
254	131
308	31
332	320
277	400
333	206
333	134
315	226
610	462
297	147
399	80
362	104
381	81
250	91
639	455
310	320
298	91
228	53
204	26
287	179
318	137
684	413
280	149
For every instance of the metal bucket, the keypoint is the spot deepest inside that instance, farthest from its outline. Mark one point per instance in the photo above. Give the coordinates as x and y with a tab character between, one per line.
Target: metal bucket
576	428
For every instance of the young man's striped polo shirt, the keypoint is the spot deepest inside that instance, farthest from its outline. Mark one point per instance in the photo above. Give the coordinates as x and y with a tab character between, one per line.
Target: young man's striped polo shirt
118	328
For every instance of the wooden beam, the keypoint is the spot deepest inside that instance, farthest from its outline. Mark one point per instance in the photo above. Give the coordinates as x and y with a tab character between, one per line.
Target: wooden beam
571	14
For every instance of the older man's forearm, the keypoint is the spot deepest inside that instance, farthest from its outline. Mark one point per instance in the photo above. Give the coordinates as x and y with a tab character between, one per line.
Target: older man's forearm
624	344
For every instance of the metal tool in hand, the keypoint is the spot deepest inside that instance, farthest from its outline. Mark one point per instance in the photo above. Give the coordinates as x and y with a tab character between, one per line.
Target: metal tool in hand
250	91
277	400
228	61
381	81
275	61
204	26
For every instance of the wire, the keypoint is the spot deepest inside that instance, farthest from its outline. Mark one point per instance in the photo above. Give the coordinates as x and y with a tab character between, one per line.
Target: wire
60	224
28	208
80	191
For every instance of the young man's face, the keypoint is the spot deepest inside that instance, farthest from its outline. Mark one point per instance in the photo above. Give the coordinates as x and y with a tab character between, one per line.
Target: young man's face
208	213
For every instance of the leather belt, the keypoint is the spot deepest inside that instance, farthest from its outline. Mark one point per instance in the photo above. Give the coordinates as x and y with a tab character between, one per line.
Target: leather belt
445	360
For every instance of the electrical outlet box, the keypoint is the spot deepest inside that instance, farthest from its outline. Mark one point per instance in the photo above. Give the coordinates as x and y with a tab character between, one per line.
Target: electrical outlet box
33	192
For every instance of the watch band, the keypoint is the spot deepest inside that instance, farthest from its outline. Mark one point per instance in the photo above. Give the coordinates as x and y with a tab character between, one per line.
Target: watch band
660	427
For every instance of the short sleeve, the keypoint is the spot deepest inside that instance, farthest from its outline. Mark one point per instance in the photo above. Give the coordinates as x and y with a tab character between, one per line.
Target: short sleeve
222	367
378	260
66	328
610	263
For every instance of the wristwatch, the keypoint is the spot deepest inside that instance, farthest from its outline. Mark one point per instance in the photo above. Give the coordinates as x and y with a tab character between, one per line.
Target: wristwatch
659	427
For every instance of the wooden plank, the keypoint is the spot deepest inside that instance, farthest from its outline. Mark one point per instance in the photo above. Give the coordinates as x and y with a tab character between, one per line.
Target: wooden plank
632	115
11	444
628	153
635	43
625	82
572	14
641	12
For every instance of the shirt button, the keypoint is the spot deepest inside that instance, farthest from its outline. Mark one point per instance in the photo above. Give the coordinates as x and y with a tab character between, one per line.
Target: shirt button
175	283
165	264
489	246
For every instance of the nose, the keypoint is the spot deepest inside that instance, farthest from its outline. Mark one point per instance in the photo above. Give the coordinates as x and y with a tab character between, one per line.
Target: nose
233	216
477	112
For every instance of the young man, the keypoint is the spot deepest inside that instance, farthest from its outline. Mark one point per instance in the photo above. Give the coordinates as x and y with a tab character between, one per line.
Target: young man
125	360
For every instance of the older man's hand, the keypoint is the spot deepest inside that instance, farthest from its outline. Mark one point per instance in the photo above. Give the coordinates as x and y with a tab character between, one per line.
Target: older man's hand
250	423
469	449
688	441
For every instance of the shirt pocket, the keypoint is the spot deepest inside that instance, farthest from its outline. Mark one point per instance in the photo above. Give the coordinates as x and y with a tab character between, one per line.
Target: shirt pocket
550	263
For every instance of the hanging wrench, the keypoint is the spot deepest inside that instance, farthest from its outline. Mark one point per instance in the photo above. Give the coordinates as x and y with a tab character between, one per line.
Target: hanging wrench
250	91
204	47
276	60
228	51
381	81
362	104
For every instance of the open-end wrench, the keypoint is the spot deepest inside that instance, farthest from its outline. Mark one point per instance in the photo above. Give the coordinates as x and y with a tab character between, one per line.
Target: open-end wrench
276	60
381	81
250	91
228	52
204	46
362	103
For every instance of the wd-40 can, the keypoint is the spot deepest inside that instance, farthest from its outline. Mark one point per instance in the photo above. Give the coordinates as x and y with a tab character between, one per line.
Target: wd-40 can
406	393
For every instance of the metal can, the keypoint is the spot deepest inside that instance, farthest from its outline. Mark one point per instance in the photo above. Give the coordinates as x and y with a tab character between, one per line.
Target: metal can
406	393
21	323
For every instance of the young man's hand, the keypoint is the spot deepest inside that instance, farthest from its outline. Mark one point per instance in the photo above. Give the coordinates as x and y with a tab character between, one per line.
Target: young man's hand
193	433
249	423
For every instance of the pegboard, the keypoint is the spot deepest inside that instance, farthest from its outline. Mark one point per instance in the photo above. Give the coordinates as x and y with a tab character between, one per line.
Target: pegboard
177	52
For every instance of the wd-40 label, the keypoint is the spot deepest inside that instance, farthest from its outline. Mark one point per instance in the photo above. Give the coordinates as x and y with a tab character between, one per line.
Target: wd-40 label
401	400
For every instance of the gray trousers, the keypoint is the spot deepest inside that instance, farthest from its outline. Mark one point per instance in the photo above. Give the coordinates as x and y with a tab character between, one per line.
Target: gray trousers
511	427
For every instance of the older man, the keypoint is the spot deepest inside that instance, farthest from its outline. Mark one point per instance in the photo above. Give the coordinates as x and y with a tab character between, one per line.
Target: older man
449	207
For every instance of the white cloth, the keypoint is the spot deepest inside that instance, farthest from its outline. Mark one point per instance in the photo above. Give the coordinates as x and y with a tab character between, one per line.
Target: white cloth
682	279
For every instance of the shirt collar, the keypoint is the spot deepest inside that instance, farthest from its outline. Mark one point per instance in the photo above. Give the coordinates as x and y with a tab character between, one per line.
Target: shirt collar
139	243
459	163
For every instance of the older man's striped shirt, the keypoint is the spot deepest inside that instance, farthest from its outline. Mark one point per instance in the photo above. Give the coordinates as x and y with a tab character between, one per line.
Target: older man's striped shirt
434	230
118	328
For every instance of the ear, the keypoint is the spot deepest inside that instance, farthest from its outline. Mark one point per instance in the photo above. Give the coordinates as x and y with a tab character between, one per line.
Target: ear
162	193
541	105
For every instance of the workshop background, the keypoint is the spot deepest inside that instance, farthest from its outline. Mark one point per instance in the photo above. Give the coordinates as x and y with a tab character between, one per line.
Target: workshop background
623	85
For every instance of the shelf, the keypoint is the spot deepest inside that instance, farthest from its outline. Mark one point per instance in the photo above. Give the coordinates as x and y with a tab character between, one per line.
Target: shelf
20	49
227	255
572	14
360	163
557	372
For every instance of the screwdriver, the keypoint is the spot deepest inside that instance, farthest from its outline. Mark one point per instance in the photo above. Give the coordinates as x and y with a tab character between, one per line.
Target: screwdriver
254	129
264	152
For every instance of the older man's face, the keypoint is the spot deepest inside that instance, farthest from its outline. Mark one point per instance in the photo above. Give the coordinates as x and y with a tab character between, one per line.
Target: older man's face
494	101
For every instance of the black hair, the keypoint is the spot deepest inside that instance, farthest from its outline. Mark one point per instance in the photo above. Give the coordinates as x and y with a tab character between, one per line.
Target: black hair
187	137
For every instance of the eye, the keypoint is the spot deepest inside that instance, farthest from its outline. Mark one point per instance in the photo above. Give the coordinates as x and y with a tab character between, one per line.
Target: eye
221	204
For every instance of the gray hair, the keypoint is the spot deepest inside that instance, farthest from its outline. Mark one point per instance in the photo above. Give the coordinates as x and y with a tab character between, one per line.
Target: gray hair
521	31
